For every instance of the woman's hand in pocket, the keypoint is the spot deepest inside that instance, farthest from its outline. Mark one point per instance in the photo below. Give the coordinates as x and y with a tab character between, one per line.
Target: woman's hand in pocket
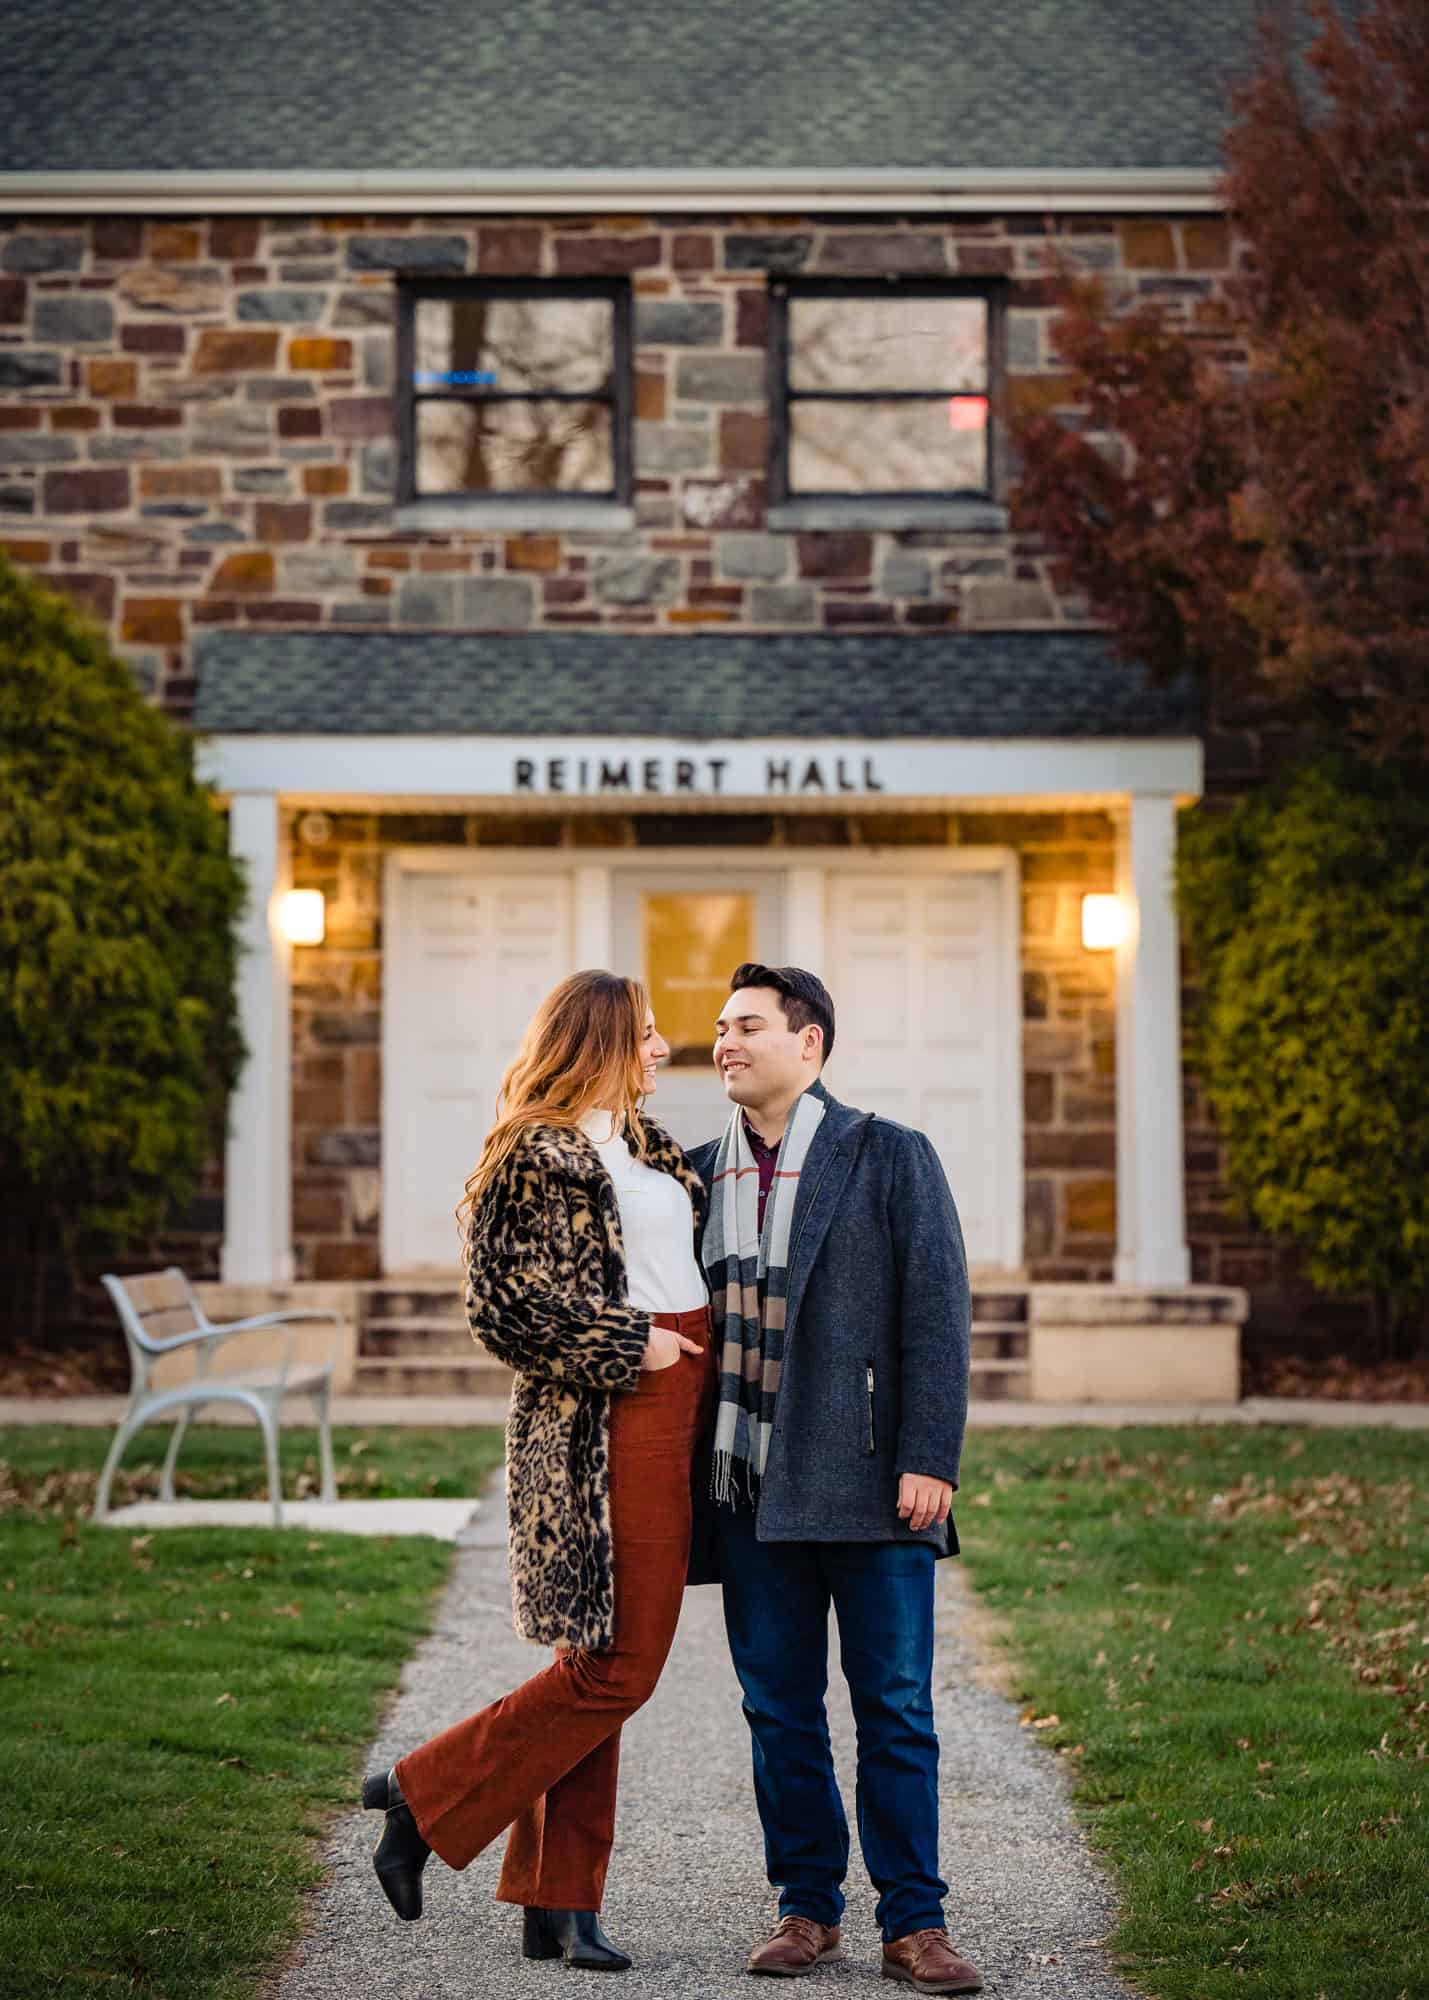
664	1347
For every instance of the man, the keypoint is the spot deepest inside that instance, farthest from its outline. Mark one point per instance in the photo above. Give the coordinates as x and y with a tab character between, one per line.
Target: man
841	1313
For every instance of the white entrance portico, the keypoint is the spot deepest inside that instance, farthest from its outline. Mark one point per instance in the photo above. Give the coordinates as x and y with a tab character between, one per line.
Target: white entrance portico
828	921
920	949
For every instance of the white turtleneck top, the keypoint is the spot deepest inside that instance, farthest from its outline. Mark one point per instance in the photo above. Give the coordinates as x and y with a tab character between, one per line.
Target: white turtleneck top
656	1222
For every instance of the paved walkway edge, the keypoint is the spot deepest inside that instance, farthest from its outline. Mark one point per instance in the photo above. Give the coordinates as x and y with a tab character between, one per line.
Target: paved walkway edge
443	1520
433	1412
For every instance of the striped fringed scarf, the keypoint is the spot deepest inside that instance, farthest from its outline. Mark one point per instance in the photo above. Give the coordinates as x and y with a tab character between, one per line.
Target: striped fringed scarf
749	1283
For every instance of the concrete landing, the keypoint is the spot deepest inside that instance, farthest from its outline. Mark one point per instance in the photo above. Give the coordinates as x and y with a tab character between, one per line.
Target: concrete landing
444	1520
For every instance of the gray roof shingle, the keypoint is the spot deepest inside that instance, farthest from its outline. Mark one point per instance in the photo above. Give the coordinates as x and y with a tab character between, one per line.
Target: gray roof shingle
697	687
428	86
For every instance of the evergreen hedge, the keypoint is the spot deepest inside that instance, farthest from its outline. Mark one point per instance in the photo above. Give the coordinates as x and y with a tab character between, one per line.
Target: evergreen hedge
118	904
1307	913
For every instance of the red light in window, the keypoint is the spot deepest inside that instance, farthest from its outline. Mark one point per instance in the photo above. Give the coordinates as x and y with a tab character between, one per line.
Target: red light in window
967	413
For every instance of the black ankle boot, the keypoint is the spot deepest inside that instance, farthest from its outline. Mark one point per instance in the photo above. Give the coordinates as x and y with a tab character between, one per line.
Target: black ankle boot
401	1854
575	1936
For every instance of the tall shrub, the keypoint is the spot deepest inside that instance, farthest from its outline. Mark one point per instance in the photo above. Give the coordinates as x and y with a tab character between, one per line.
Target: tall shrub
118	903
1307	909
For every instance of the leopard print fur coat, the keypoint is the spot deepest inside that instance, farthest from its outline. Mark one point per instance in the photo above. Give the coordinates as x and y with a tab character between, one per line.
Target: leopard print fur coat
545	1293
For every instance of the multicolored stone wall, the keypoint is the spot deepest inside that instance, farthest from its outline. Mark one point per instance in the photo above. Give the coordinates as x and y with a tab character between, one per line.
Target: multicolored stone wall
196	424
196	430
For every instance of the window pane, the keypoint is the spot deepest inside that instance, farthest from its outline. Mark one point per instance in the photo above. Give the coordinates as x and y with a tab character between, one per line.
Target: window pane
514	448
553	343
887	343
691	942
935	447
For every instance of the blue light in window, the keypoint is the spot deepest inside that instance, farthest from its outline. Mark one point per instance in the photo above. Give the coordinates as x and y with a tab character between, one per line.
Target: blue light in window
455	378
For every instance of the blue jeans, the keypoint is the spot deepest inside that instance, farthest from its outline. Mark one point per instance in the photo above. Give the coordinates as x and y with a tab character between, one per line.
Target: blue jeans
776	1608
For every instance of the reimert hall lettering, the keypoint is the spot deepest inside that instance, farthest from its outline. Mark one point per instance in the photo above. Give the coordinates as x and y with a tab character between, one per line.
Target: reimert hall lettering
694	776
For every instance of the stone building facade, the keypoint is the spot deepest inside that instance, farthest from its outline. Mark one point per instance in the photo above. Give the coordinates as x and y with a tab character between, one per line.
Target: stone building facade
507	732
198	436
198	424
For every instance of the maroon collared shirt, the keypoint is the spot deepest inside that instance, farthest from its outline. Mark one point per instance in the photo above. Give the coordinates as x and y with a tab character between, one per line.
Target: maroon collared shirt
765	1158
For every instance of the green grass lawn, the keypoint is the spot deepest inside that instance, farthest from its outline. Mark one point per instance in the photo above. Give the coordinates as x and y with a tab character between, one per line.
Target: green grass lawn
183	1711
55	1467
1220	1632
1224	1634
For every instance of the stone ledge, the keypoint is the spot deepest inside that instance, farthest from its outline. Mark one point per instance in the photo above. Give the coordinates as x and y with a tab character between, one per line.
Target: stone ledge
1088	1305
1122	1343
969	516
481	516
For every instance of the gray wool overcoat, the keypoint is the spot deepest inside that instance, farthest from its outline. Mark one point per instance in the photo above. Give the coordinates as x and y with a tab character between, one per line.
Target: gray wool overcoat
876	1346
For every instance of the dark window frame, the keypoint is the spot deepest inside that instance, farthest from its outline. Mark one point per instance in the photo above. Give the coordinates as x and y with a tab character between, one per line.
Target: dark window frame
992	291
620	397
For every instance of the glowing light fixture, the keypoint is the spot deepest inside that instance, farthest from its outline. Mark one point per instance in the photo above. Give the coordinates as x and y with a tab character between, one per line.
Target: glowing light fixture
302	916
1103	922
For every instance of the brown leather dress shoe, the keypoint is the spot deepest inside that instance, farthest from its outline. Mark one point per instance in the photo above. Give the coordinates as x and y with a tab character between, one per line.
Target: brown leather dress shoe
795	1946
926	1959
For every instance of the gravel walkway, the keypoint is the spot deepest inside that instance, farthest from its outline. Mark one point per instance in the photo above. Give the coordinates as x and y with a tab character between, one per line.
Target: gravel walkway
687	1893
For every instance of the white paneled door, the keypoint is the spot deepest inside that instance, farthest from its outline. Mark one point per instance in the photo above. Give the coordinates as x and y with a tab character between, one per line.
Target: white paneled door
929	1030
469	956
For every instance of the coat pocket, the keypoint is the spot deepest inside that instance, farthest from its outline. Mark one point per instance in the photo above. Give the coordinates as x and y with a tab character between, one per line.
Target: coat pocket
870	1442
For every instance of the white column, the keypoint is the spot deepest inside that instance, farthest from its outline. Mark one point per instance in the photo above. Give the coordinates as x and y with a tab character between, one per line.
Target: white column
594	939
257	1206
1150	1157
805	942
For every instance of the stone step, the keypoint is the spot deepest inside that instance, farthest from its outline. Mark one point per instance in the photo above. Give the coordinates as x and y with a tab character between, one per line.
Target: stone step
413	1340
998	1343
418	1300
426	1339
396	1338
411	1301
994	1382
431	1375
451	1375
1007	1306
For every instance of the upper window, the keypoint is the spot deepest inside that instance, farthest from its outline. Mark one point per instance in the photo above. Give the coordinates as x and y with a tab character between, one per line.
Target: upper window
885	391
514	390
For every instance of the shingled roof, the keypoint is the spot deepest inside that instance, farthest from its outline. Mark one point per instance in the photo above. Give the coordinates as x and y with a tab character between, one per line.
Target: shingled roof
700	687
430	86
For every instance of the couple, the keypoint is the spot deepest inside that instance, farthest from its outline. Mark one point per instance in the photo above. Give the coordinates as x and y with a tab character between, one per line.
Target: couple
797	1441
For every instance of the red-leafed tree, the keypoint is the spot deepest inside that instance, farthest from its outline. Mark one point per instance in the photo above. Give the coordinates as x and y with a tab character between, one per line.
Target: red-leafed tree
1245	498
1265	522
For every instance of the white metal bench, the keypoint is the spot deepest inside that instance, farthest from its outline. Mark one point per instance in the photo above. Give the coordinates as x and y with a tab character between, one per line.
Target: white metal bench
160	1314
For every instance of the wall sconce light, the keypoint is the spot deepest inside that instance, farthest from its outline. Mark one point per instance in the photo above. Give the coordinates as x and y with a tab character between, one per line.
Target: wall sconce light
302	916
1103	922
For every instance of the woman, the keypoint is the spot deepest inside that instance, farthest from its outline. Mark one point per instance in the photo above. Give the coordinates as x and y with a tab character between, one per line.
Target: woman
582	1222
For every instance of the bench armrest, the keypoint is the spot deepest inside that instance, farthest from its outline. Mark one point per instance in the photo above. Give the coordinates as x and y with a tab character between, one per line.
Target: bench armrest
260	1322
273	1319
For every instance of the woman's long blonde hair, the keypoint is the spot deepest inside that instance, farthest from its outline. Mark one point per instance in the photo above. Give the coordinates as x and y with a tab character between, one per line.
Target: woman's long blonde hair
582	1049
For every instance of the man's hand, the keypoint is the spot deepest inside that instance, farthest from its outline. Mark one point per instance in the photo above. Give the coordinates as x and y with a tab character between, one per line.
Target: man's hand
923	1502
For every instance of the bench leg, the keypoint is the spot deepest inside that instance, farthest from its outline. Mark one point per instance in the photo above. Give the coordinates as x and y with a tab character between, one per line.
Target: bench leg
166	1477
268	1423
129	1424
321	1406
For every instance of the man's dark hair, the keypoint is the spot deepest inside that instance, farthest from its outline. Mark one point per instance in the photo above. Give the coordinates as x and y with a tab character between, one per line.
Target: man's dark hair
805	999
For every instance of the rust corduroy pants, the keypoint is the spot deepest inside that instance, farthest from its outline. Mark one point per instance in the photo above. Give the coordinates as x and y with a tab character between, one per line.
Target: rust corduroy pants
544	1759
